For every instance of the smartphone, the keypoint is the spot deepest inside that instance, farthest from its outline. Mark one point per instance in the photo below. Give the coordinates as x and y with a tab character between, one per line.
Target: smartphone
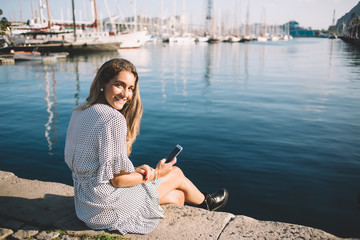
177	149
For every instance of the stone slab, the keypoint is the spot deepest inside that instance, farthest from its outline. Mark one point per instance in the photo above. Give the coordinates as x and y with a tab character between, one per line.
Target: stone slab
34	201
13	224
73	226
243	227
5	175
48	203
43	235
5	232
180	222
25	233
185	222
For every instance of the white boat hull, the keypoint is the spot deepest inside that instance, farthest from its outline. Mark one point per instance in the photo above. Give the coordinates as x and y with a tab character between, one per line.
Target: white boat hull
132	39
261	39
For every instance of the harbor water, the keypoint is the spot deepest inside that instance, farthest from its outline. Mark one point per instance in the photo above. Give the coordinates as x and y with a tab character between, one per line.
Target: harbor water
276	123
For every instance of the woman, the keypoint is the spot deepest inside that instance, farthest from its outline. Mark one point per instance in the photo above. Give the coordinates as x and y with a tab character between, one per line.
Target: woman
109	192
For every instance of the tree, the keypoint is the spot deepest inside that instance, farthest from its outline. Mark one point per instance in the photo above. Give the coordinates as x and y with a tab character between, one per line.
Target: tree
354	28
4	24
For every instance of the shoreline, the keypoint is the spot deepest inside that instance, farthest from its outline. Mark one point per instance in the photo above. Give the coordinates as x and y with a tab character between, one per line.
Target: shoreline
45	210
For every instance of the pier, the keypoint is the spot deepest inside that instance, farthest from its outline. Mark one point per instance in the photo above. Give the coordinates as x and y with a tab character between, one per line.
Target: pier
7	60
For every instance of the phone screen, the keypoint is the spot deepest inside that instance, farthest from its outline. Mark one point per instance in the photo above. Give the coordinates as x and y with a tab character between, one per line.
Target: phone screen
177	149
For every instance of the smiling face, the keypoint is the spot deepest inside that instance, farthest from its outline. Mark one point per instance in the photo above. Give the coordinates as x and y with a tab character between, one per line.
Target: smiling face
120	89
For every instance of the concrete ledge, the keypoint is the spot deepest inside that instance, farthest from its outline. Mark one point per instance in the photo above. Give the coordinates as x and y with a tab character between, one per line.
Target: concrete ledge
33	201
188	223
243	227
47	204
5	175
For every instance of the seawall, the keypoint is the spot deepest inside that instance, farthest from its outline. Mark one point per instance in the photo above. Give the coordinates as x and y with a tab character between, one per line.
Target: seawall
29	207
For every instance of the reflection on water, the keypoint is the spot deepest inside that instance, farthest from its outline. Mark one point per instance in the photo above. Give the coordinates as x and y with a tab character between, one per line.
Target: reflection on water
208	56
76	95
246	63
50	100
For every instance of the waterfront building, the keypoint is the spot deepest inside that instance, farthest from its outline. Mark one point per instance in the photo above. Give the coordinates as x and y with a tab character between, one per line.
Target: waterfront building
297	31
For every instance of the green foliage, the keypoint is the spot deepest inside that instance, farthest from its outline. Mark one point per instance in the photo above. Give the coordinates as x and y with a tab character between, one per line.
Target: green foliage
62	233
104	237
4	23
356	21
87	236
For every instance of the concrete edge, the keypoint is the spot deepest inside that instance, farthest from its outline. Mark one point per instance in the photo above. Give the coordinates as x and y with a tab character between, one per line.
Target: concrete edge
184	221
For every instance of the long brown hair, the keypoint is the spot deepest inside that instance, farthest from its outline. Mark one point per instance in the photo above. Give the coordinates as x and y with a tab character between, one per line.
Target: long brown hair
132	109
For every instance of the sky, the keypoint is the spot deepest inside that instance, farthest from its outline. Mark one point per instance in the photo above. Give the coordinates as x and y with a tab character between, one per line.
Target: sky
315	14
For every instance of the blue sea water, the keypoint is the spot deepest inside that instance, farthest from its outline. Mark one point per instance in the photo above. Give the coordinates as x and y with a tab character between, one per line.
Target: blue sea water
276	123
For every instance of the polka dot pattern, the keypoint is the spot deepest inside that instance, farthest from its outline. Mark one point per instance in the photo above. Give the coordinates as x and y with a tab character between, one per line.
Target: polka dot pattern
95	150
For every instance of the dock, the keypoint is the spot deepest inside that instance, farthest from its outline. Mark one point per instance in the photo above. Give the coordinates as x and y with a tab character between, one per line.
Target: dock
7	59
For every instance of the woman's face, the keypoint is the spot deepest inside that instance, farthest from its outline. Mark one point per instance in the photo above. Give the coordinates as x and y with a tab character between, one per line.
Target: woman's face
120	89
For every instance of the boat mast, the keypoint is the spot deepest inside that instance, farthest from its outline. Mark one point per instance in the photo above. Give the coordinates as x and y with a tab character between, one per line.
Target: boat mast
41	12
74	22
48	12
113	27
161	18
209	17
96	17
32	10
135	16
247	28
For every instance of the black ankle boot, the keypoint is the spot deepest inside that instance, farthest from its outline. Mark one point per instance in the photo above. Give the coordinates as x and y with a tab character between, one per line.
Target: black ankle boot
214	201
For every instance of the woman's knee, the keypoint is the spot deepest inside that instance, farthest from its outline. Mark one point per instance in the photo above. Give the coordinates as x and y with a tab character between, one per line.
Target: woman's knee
180	198
173	180
175	197
177	172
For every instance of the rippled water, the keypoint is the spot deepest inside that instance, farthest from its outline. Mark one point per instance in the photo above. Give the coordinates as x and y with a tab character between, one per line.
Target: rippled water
277	124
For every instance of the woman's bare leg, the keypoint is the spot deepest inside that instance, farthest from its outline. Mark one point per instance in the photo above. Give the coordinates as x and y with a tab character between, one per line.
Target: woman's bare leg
175	196
176	180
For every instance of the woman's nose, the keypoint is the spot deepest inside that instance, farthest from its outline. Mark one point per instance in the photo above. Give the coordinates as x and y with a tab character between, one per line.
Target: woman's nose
125	92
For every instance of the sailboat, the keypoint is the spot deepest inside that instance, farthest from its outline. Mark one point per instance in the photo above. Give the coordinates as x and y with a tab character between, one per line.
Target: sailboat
263	34
246	37
132	34
132	39
63	37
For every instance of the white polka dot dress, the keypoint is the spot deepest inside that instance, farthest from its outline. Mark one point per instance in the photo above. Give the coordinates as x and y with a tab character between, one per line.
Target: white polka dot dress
95	150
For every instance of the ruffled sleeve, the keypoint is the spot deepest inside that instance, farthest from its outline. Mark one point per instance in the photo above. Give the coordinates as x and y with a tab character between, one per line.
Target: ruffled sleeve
112	150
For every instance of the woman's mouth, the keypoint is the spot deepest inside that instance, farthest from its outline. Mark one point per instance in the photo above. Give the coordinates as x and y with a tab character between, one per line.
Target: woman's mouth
122	100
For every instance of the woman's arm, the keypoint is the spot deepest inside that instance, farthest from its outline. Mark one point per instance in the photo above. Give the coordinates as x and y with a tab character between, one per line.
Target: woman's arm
125	179
142	174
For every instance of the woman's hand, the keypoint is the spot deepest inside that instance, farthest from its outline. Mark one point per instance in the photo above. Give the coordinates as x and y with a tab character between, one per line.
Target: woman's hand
164	168
147	171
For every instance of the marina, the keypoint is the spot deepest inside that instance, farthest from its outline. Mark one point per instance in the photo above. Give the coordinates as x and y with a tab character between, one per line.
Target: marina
45	34
113	33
